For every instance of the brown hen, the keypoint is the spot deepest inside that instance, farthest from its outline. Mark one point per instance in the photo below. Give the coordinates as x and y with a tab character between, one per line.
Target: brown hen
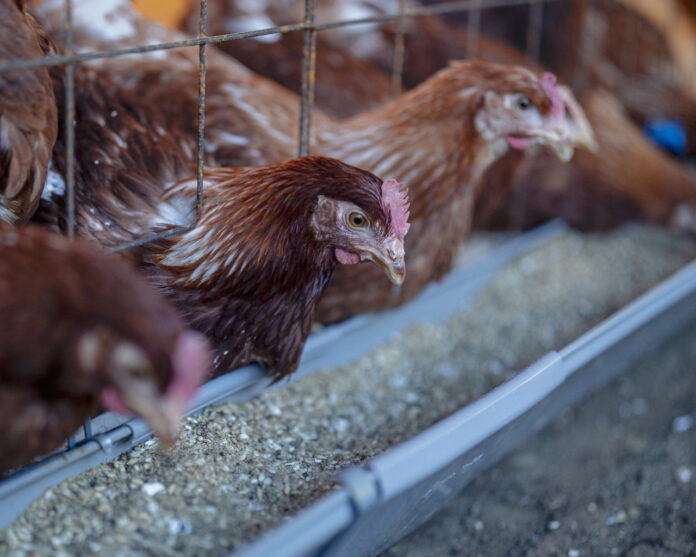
625	178
80	327
440	138
250	273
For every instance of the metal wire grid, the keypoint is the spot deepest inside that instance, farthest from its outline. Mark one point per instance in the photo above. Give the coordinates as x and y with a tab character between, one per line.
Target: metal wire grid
310	28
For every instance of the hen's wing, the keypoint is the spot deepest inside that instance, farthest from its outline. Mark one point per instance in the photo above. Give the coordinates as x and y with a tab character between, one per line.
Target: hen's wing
249	119
126	153
28	120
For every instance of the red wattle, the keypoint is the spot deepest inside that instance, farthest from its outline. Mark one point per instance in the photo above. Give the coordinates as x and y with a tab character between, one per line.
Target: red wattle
518	142
112	401
347	257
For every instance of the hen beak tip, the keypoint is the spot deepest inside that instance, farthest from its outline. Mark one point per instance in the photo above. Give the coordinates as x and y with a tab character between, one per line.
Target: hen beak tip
164	417
396	272
589	143
561	144
564	151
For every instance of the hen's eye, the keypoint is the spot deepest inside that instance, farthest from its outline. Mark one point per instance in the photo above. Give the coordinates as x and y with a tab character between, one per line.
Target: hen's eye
357	220
138	372
524	103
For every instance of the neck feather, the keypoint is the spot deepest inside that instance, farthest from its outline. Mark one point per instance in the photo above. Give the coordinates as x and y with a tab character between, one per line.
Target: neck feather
251	241
432	155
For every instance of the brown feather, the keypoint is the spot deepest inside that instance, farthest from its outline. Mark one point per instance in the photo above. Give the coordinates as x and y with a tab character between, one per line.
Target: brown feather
28	119
337	91
52	292
120	141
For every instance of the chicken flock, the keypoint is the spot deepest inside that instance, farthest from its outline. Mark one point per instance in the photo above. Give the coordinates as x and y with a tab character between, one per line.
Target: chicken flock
274	243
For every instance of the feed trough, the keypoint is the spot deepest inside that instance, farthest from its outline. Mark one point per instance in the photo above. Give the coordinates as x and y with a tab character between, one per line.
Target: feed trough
333	346
388	497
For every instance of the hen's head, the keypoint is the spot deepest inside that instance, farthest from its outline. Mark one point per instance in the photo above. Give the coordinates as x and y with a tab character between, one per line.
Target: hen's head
124	343
154	386
360	217
510	104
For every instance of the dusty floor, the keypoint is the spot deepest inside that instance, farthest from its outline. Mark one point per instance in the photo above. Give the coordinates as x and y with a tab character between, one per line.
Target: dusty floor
240	469
615	476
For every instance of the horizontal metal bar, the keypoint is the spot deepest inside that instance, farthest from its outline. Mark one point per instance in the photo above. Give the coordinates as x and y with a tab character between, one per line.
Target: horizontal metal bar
160	236
198	41
436	9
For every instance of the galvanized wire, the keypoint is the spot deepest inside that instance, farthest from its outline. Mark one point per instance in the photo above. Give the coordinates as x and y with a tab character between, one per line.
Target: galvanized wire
534	28
473	30
87	56
309	63
399	51
200	152
202	65
69	123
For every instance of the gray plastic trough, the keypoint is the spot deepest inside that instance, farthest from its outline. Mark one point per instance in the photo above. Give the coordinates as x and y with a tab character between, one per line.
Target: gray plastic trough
389	496
333	346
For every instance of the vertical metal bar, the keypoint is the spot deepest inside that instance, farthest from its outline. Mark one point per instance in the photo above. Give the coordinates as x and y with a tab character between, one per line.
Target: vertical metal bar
683	73
581	73
534	28
473	29
202	66
536	13
69	122
309	62
399	51
70	139
87	428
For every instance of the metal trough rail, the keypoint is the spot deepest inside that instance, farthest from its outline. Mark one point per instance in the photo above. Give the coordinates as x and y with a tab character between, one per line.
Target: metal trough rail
389	496
333	346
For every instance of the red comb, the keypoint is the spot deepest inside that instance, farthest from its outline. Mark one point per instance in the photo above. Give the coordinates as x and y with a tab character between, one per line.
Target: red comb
395	202
548	83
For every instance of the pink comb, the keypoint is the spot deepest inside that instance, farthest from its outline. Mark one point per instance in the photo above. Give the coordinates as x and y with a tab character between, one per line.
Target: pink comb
191	362
548	83
395	202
